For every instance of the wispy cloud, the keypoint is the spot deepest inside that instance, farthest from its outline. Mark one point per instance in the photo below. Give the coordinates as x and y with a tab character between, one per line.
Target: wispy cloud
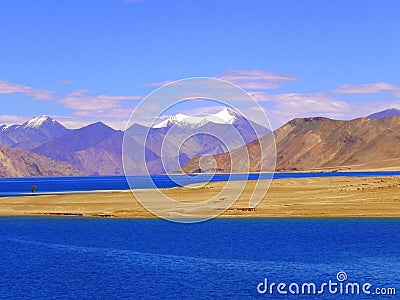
87	108
81	101
261	96
75	122
368	88
12	119
257	79
158	84
309	103
284	107
121	114
247	79
64	82
11	88
114	110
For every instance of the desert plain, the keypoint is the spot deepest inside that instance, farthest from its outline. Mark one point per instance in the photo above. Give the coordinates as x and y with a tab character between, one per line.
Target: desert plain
302	197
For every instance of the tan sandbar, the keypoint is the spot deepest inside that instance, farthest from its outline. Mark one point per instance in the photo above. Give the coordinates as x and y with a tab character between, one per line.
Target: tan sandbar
306	197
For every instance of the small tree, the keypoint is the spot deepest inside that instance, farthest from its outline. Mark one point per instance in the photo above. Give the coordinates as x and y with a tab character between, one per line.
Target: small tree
33	188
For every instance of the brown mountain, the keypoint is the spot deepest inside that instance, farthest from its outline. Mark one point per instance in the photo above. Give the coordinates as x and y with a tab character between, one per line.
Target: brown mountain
23	163
318	143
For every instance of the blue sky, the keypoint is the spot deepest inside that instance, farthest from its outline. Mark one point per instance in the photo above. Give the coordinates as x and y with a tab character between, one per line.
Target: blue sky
84	61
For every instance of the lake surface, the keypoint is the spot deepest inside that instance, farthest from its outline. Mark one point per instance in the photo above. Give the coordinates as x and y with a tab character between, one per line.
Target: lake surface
79	258
21	186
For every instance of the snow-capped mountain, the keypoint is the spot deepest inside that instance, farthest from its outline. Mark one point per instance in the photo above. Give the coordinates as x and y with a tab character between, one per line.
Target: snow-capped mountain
225	116
96	149
41	121
180	137
4	127
388	113
32	133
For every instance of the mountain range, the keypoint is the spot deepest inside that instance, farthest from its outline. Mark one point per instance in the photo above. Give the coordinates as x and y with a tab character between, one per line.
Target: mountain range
32	133
319	143
176	140
44	147
96	149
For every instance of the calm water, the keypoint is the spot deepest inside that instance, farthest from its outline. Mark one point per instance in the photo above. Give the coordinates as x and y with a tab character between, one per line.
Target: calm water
73	258
20	186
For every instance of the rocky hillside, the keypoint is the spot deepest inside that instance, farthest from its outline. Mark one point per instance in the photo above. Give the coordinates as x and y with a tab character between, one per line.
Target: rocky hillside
22	163
318	143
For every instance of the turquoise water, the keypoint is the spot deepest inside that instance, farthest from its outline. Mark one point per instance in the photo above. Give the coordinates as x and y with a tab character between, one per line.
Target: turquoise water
79	258
20	186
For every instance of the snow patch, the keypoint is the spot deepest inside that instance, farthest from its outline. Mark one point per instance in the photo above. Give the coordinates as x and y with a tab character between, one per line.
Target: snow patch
38	121
225	116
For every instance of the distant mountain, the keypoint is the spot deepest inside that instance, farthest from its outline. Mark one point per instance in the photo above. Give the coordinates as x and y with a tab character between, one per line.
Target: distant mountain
94	149
32	133
22	163
209	134
388	113
316	143
225	116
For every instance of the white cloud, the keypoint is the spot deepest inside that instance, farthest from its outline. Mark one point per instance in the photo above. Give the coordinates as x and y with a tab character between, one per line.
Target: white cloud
368	88
107	108
115	110
12	119
111	109
309	103
284	107
158	83
261	96
11	88
257	79
65	82
362	110
247	79
79	100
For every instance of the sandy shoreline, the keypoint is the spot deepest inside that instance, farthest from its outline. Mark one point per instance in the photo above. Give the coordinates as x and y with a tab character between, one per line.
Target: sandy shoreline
303	197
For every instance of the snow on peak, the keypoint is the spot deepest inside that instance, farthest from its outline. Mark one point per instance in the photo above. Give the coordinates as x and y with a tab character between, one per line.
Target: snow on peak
5	127
36	122
225	116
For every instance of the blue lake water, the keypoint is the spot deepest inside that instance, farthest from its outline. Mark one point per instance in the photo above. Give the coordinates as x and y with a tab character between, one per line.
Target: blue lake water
79	258
20	186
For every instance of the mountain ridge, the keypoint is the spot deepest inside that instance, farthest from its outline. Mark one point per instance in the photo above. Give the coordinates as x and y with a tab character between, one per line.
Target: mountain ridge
302	143
320	143
22	163
31	133
81	146
225	116
387	113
